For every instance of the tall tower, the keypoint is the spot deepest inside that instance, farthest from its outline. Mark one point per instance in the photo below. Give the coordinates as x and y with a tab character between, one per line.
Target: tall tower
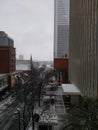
61	28
83	50
61	37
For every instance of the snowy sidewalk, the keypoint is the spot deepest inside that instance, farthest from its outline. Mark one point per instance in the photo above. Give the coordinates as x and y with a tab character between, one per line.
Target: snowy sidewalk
55	112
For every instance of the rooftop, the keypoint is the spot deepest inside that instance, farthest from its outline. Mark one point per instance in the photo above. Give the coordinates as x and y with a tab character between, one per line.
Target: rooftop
70	89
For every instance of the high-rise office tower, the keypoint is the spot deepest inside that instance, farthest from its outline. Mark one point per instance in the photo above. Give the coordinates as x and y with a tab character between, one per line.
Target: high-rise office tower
83	47
61	37
61	28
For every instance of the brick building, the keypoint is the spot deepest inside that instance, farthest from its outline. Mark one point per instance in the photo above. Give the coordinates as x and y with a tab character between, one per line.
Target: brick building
7	54
61	65
61	38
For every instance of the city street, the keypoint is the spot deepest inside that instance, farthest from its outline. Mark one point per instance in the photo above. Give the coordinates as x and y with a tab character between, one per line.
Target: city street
54	113
7	114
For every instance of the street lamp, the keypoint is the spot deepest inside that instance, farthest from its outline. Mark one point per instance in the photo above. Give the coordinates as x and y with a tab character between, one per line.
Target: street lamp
18	113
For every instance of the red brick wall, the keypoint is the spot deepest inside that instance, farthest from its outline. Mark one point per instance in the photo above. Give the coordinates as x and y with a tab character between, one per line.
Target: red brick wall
62	65
7	59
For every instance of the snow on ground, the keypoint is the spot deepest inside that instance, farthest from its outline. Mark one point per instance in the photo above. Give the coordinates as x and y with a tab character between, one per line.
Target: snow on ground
3	87
5	103
54	112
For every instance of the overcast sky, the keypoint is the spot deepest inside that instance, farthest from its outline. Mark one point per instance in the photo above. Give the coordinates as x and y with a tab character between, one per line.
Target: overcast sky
30	24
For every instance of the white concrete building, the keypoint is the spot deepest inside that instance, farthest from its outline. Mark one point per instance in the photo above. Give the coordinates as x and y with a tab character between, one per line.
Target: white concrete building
72	92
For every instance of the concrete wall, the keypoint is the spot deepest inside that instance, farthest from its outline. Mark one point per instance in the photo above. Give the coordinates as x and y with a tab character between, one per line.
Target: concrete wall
83	48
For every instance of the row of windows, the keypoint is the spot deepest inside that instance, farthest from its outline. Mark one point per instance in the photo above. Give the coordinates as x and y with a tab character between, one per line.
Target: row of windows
83	42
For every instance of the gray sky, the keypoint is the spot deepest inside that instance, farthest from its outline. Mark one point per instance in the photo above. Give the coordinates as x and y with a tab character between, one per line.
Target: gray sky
30	24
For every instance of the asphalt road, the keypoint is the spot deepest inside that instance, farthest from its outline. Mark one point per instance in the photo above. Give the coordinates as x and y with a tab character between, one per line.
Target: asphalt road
7	116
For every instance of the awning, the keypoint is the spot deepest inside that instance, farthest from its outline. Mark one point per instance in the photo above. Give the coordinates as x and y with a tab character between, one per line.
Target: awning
70	89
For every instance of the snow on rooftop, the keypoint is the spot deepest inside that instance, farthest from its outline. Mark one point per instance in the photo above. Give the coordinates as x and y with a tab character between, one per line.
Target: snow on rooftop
1	75
70	89
50	118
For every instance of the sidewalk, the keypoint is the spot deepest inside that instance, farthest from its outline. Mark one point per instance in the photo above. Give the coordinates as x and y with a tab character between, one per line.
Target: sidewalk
55	113
60	109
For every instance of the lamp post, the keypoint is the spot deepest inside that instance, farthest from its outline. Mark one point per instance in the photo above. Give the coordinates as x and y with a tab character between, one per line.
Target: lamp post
24	122
59	78
18	113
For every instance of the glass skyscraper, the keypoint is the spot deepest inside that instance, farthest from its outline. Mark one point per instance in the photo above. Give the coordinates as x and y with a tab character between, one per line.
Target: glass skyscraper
61	28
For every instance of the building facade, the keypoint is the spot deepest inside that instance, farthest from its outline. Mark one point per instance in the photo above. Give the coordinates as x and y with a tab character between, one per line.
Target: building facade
61	28
83	48
22	65
61	65
61	37
7	54
3	82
